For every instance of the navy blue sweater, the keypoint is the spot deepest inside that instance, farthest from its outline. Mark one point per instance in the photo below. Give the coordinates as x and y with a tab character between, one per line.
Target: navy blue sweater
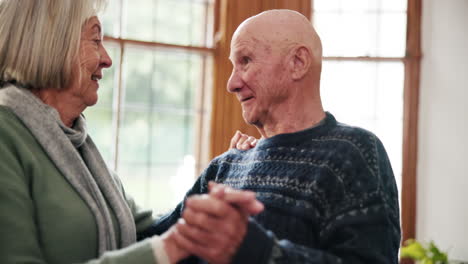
329	193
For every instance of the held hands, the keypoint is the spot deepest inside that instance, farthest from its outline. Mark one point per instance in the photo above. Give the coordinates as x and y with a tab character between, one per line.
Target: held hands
242	141
213	225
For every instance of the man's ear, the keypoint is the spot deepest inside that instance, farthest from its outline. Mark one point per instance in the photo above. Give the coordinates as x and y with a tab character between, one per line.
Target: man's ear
300	62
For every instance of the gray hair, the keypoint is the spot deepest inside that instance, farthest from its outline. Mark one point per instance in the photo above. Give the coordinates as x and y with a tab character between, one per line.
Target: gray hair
40	40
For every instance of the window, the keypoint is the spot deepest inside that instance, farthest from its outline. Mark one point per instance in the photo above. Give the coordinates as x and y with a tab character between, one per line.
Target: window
364	44
151	120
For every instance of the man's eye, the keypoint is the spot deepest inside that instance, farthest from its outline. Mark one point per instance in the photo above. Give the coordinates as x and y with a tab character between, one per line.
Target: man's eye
97	41
245	60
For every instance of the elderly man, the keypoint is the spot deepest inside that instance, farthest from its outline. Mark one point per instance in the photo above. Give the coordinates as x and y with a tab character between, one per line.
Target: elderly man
328	188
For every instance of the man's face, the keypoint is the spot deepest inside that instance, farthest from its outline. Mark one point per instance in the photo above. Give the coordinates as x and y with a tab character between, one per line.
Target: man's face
258	76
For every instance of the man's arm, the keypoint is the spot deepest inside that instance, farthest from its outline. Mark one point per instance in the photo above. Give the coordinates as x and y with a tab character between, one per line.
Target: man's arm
364	231
359	235
353	237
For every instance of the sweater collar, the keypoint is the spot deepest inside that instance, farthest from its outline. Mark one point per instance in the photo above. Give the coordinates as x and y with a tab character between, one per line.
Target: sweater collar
299	136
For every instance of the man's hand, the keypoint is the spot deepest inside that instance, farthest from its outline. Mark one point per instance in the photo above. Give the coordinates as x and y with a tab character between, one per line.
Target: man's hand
214	225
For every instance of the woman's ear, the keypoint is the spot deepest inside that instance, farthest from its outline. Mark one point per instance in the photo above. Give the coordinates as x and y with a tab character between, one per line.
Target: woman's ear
300	62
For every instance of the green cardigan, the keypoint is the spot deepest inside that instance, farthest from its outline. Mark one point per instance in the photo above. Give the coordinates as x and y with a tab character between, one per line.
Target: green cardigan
43	219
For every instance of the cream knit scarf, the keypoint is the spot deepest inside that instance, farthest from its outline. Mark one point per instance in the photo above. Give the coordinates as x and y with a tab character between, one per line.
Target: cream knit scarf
77	158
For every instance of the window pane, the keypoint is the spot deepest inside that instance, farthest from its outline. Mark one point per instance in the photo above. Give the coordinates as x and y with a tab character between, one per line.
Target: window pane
134	151
158	130
159	114
168	21
360	5
369	95
134	139
138	74
361	28
394	5
99	117
156	157
110	20
161	78
326	5
173	137
99	122
173	160
392	35
352	34
159	167
159	187
177	76
136	182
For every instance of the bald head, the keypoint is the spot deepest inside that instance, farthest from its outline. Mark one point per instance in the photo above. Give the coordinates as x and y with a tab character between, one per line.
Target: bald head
282	30
277	60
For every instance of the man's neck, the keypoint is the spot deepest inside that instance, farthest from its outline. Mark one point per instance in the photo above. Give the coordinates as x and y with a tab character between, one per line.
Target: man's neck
292	120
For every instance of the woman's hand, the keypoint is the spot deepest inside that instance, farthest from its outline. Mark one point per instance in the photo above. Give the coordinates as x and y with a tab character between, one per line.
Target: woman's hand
214	225
242	141
172	250
243	200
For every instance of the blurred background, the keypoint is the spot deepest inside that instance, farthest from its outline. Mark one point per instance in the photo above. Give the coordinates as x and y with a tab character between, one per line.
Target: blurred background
395	67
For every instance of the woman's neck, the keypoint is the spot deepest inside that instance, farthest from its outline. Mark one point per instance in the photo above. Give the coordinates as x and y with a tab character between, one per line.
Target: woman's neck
68	106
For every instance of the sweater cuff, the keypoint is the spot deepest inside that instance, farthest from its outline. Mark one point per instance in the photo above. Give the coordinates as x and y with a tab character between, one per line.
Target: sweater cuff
256	246
141	252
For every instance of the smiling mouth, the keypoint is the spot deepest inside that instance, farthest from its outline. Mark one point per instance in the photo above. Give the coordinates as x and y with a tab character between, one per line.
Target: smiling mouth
246	99
96	77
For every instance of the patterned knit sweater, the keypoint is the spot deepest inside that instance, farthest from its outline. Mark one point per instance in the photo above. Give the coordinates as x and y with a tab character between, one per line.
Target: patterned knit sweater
329	193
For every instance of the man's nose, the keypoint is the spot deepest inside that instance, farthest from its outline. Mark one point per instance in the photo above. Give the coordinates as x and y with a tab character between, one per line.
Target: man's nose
234	83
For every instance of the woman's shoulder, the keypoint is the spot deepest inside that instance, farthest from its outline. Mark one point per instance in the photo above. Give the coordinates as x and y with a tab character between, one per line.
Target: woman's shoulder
7	117
12	128
8	120
6	113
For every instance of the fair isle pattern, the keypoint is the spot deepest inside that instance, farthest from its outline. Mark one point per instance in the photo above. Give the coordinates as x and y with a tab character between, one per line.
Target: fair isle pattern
302	157
329	194
327	177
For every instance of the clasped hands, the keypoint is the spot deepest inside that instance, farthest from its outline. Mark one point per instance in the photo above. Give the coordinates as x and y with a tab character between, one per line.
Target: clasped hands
212	225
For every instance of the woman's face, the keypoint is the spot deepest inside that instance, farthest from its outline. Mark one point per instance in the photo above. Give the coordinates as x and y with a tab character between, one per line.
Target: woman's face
93	58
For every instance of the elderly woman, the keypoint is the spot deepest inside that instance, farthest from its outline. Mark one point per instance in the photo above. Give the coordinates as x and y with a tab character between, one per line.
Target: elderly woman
59	203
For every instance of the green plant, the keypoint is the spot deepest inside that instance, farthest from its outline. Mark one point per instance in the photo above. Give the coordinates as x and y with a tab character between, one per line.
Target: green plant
423	254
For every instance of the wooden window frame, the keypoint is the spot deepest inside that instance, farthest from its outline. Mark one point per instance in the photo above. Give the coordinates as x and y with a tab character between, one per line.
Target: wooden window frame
123	44
410	120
